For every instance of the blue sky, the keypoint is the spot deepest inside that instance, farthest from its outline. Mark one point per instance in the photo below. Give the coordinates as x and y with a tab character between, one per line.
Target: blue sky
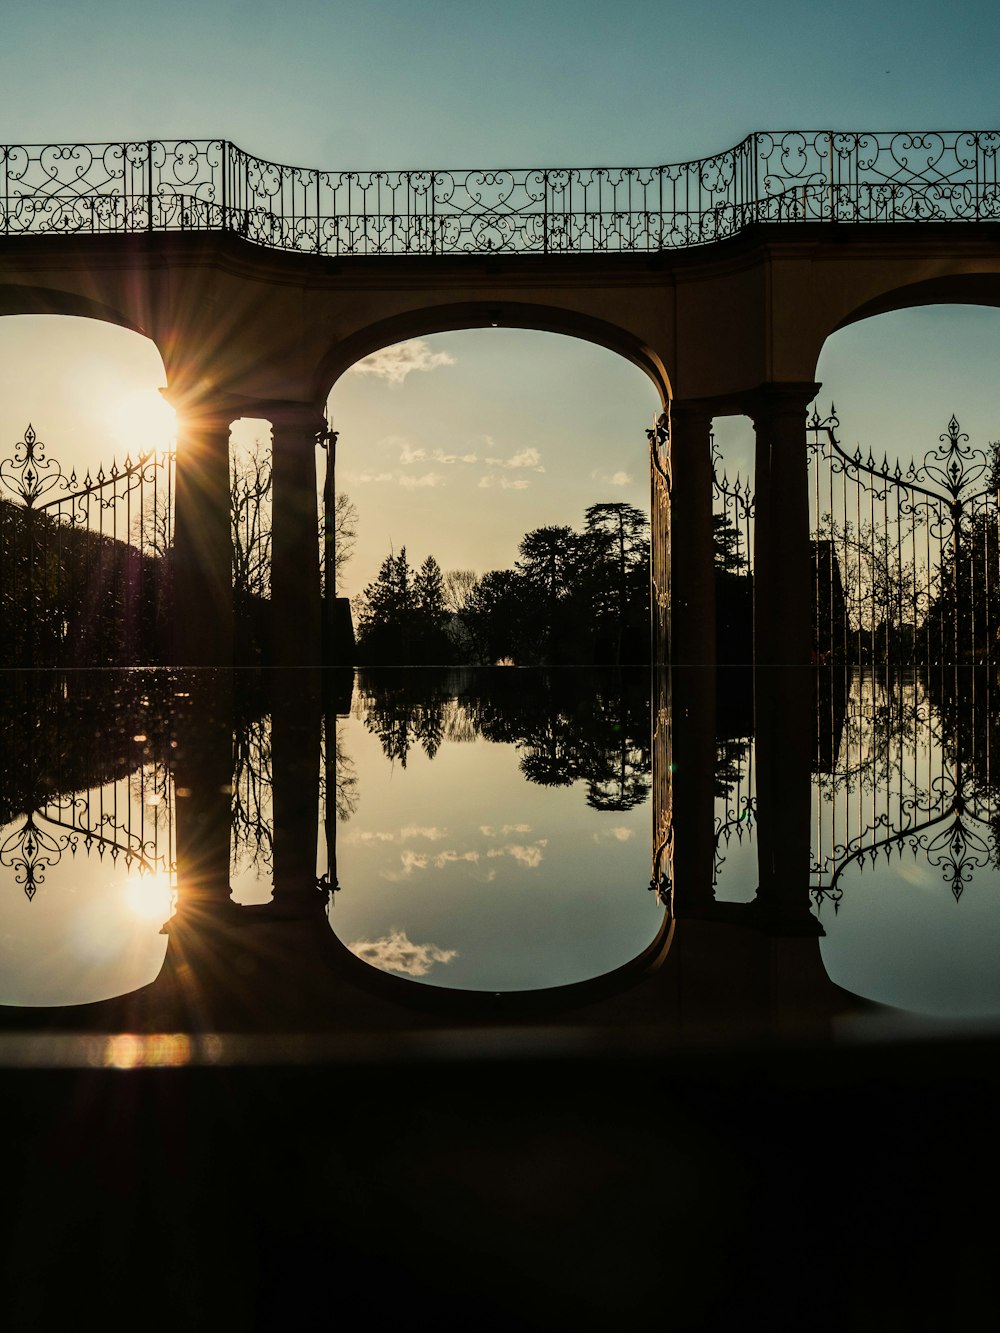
393	84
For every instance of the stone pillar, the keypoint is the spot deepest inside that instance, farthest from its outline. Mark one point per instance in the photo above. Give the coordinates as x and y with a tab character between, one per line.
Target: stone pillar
295	555
782	550
203	546
692	578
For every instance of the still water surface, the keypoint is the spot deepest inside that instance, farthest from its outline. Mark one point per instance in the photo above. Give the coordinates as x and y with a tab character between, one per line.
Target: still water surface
495	831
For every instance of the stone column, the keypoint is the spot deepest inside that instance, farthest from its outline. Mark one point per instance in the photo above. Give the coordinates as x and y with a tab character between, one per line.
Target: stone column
782	549
692	579
784	685
203	547
295	555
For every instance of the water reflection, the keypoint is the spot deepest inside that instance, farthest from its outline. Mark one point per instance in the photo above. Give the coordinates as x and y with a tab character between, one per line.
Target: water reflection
906	873
305	841
86	837
498	832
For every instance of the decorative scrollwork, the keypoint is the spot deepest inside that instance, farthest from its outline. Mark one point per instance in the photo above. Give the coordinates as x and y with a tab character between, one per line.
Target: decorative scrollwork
30	474
786	177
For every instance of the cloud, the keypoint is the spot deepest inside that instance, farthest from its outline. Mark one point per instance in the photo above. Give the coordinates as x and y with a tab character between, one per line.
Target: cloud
355	835
618	478
412	861
505	483
526	458
617	834
451	858
428	479
488	831
431	833
411	455
396	953
395	363
363	477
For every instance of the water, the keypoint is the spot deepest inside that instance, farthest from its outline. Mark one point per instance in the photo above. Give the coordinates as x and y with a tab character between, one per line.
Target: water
502	834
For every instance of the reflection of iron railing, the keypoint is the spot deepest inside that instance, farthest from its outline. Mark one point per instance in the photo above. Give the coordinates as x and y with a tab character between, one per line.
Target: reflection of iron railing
98	823
904	782
778	176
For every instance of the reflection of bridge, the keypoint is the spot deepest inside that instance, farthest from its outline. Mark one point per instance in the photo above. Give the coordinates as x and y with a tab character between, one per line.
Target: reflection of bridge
261	284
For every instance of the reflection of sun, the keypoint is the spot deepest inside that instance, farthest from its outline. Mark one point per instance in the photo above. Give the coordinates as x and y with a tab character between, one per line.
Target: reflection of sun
140	420
150	897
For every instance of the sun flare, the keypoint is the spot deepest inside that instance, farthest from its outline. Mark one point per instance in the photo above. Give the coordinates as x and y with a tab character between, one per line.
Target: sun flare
139	420
151	897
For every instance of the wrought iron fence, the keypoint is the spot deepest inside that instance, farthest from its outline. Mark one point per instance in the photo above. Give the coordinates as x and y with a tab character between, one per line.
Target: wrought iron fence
778	176
906	557
84	565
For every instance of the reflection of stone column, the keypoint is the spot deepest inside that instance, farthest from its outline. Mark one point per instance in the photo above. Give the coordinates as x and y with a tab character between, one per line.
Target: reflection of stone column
693	784
203	549
295	749
295	591
782	552
785	724
203	775
692	580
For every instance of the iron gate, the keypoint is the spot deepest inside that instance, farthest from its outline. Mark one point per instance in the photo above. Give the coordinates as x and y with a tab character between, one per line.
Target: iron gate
905	559
84	566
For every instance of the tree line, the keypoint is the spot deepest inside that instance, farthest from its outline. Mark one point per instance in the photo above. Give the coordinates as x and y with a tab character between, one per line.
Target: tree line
572	597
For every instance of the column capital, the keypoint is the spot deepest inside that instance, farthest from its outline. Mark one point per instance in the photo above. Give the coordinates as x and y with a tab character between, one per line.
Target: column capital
690	416
295	417
776	401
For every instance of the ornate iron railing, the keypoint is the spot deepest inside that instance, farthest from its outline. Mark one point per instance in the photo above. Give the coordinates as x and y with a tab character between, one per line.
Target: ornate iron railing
905	556
84	563
778	176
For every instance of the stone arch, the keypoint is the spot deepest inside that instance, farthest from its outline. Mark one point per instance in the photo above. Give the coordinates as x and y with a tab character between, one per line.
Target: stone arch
449	318
27	300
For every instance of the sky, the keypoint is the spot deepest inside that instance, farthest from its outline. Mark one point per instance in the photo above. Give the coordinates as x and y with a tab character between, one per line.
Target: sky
407	85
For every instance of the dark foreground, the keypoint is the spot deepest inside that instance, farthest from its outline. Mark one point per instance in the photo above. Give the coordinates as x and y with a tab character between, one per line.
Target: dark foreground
553	1185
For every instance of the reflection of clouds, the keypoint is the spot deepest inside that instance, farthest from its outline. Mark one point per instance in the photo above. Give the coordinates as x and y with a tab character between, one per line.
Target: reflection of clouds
396	953
488	830
617	834
531	857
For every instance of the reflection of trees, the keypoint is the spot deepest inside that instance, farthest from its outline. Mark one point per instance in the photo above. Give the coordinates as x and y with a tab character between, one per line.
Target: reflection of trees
590	727
252	812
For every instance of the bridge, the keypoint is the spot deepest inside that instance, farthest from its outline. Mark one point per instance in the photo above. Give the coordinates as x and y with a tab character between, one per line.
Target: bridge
260	284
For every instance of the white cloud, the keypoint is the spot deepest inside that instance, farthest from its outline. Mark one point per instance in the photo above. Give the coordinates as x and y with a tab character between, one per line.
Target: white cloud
431	833
355	835
618	478
526	458
396	953
409	454
451	858
412	861
373	476
505	483
395	363
428	479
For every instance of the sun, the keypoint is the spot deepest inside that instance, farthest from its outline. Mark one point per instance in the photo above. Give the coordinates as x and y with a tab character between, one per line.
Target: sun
139	420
